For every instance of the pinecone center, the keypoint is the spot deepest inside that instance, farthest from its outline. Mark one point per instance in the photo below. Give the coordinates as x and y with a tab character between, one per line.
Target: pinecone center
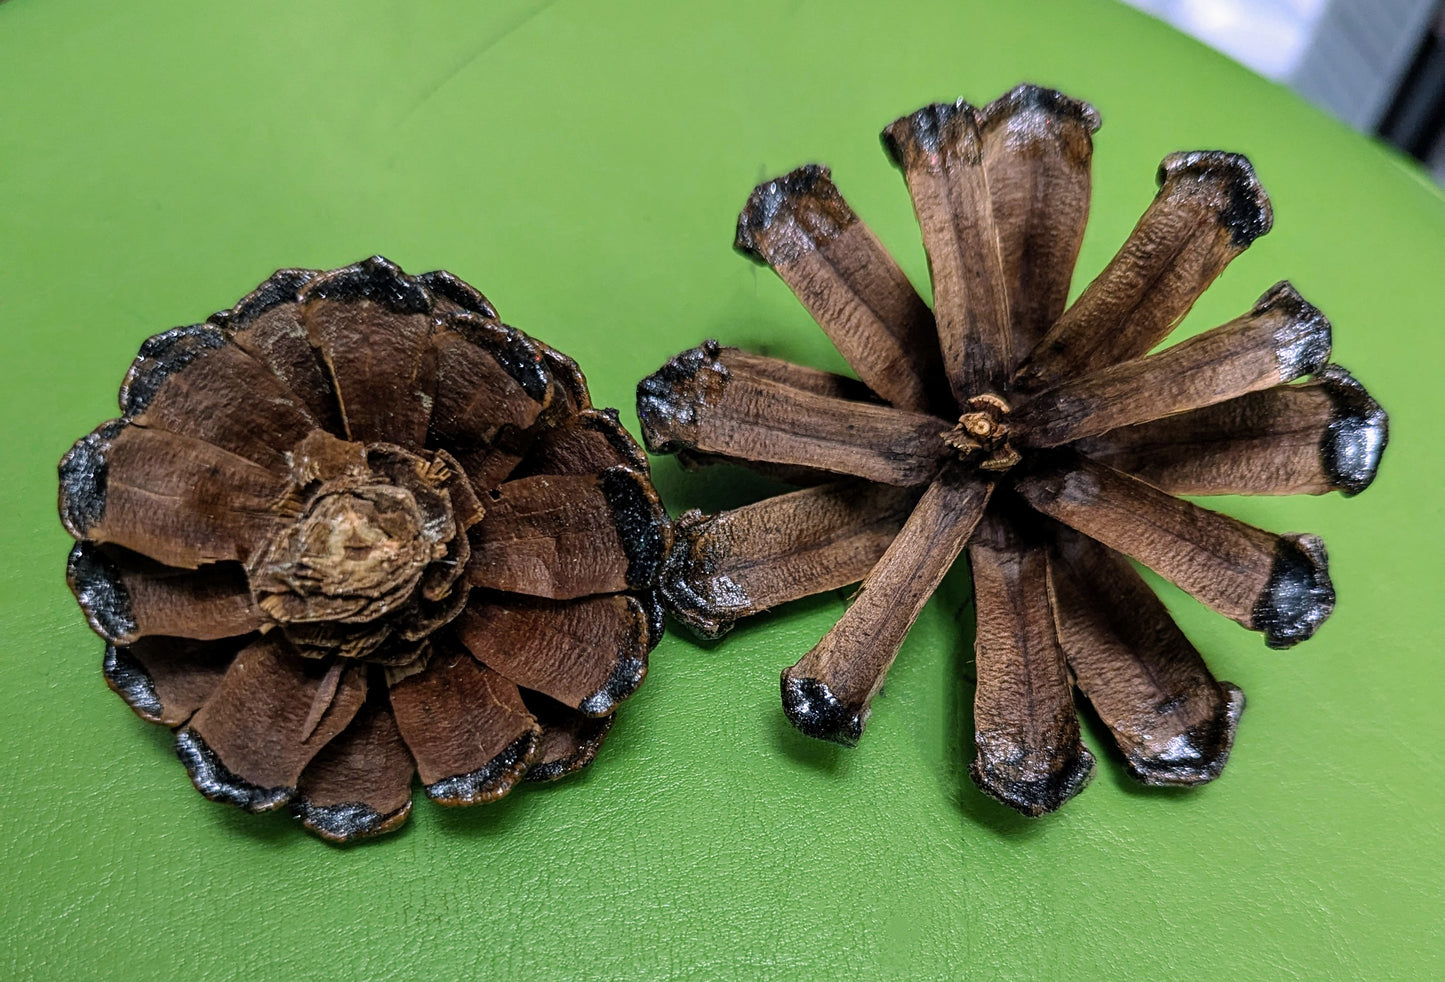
353	554
982	434
370	547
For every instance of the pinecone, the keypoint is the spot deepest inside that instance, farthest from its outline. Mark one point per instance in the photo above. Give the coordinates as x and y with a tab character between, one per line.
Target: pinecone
1047	442
355	529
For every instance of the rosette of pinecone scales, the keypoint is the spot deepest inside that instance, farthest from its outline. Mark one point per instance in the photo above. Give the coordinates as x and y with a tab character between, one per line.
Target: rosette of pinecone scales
1047	443
357	529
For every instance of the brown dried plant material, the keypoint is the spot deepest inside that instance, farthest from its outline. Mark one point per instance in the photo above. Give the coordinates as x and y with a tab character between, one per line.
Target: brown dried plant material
727	566
1044	442
356	530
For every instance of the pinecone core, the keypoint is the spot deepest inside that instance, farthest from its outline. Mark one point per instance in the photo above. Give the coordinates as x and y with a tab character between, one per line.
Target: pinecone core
373	549
354	554
981	436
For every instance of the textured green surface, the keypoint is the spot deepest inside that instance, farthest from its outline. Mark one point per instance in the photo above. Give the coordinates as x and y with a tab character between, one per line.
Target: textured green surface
583	163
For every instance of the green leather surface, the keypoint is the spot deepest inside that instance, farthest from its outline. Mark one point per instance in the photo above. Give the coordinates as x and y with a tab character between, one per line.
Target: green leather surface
583	163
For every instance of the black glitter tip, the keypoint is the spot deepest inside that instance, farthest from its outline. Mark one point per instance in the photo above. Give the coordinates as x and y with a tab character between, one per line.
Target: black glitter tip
777	200
694	594
215	780
162	356
667	399
519	355
96	583
626	676
999	774
1243	206
641	522
590	742
490	781
1357	434
925	134
1299	596
376	279
84	472
1304	337
814	709
1041	106
128	678
458	291
1198	755
656	614
347	822
281	287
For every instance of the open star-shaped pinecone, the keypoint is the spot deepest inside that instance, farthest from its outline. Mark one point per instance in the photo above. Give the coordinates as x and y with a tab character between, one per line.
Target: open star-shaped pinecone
356	529
1045	441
